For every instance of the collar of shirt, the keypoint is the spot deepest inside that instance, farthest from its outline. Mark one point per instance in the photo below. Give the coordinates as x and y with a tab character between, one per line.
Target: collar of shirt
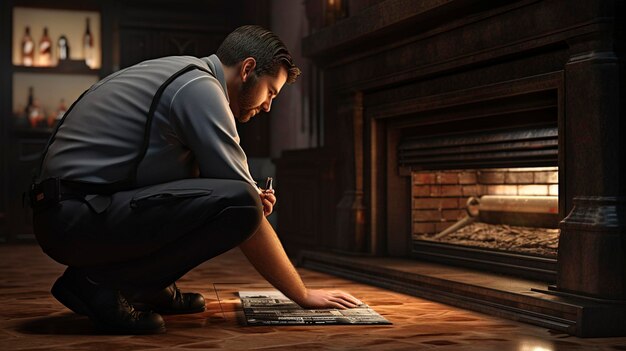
215	65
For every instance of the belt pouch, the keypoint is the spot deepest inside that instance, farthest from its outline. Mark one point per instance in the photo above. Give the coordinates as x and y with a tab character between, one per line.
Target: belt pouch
45	194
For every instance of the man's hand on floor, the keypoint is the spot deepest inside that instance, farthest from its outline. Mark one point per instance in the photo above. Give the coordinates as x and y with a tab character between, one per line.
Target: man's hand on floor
268	256
328	299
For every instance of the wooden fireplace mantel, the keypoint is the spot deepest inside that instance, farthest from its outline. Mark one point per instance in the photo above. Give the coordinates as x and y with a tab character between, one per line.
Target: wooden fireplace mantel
363	31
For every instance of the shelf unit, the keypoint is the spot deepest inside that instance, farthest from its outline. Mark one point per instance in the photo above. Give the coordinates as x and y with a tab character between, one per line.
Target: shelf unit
66	80
57	70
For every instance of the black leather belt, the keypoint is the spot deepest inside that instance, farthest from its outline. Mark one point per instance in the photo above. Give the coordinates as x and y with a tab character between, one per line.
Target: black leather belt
51	191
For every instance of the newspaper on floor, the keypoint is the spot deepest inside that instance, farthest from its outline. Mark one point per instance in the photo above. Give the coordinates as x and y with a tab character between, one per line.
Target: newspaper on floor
271	307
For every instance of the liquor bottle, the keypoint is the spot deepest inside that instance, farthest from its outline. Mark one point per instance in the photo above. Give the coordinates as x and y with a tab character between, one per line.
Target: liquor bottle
36	116
33	109
45	49
29	102
88	46
28	48
63	48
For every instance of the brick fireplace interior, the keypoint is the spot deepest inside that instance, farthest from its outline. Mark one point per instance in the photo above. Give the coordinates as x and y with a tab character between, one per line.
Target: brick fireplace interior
440	201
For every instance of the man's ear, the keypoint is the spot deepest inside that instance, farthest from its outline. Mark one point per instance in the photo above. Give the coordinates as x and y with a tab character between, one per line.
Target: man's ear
247	68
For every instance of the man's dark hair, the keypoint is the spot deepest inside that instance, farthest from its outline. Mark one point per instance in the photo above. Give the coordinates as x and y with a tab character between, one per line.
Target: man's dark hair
261	44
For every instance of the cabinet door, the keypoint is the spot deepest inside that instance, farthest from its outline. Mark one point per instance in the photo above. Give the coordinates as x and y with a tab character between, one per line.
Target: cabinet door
27	151
6	24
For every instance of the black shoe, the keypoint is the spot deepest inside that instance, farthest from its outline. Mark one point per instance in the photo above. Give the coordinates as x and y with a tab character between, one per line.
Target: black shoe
106	308
168	301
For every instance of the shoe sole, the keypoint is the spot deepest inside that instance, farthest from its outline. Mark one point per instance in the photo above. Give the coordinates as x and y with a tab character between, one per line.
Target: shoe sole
69	299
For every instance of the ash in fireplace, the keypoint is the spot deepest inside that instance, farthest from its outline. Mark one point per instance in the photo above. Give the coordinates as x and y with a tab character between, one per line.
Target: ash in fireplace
526	240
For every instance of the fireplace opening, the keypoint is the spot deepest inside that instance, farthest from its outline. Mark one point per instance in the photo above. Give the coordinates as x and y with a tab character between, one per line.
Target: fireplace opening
495	148
498	219
510	209
486	199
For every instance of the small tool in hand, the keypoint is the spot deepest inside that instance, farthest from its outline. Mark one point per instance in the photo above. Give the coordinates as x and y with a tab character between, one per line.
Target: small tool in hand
269	184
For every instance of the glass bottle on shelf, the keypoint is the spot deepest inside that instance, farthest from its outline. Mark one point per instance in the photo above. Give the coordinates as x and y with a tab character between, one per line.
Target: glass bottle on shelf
33	109
36	116
28	48
45	49
29	102
88	46
63	49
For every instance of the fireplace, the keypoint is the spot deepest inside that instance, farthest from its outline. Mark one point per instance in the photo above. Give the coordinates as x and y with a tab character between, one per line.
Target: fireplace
500	140
503	220
517	233
430	105
452	169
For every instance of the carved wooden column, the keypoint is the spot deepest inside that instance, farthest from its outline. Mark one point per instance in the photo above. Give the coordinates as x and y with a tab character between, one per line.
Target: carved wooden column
592	247
350	209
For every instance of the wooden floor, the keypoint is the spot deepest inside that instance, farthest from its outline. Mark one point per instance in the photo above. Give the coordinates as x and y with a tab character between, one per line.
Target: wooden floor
31	319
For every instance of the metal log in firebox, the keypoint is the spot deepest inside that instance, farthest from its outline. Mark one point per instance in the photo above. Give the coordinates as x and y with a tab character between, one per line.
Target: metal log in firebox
524	211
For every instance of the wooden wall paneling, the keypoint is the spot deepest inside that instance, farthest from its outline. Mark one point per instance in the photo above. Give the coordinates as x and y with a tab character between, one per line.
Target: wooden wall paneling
25	154
255	135
299	225
254	12
139	44
181	28
110	45
6	83
307	191
398	206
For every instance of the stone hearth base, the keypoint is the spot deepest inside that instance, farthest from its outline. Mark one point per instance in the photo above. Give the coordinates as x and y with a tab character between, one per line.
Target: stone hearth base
513	298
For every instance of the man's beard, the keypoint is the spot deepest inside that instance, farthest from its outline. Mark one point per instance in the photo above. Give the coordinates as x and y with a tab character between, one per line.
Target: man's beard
246	103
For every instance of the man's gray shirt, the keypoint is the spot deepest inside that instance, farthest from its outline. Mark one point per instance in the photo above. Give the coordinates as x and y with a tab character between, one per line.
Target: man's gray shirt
193	132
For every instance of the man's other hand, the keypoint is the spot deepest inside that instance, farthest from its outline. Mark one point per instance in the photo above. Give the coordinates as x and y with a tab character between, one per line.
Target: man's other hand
328	299
268	199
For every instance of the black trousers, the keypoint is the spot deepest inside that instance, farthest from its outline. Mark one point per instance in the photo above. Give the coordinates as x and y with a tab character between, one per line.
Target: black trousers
149	237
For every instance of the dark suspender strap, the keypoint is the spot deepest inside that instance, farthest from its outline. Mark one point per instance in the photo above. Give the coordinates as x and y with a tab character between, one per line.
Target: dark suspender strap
109	188
153	106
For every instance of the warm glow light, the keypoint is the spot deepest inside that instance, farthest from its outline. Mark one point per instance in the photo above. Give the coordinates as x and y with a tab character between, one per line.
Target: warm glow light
535	345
